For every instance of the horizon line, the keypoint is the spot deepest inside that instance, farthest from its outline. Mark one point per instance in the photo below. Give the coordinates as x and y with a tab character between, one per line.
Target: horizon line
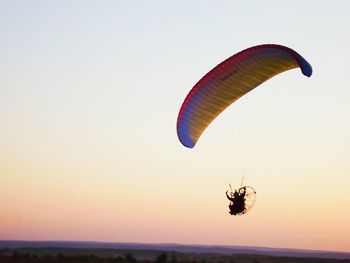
251	247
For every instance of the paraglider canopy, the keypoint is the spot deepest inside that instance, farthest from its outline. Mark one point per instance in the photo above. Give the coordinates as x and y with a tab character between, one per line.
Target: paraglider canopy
229	81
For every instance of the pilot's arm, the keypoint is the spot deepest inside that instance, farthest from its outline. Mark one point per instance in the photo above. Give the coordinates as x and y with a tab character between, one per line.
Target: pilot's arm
229	197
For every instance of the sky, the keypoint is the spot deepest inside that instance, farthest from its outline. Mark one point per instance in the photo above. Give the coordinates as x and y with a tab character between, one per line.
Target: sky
89	96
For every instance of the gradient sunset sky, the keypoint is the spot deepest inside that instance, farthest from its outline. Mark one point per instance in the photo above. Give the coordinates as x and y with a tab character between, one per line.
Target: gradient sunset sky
89	96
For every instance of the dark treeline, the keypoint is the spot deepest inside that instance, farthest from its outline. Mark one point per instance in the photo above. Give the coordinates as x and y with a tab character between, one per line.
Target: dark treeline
128	257
12	256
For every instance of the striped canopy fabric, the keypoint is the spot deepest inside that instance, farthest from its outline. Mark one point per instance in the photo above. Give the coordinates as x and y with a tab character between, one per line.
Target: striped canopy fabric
229	81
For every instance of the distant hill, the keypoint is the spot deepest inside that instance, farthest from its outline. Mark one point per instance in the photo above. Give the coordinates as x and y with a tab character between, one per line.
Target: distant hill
203	249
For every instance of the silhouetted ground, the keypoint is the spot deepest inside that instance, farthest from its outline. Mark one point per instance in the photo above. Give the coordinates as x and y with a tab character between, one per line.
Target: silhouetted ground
53	255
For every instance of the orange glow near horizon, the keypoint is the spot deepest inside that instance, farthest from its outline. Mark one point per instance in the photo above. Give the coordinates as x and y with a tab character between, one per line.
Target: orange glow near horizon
60	210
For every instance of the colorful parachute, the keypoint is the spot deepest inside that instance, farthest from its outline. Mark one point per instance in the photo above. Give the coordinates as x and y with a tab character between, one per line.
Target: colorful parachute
230	80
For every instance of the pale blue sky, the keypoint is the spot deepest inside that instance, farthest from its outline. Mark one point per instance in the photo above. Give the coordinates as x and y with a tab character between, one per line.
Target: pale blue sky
89	96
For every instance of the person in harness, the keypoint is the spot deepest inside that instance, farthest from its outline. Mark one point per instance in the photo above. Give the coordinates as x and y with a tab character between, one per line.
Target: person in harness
237	204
